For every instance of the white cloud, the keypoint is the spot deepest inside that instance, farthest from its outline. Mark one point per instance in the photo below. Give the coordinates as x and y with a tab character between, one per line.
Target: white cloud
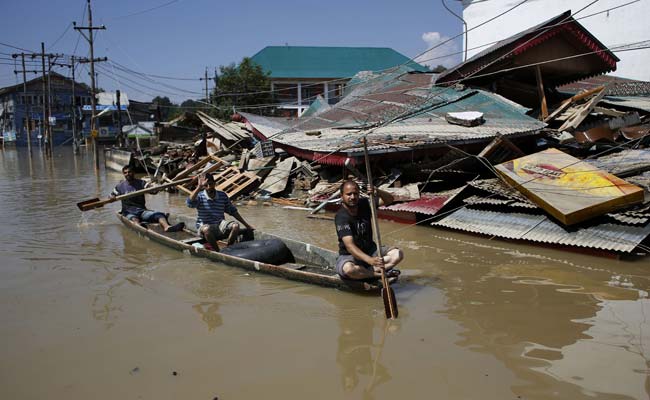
439	53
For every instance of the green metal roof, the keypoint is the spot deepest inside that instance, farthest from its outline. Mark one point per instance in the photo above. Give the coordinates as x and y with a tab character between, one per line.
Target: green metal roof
328	62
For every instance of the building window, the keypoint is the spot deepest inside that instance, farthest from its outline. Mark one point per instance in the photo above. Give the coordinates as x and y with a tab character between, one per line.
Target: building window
286	92
310	91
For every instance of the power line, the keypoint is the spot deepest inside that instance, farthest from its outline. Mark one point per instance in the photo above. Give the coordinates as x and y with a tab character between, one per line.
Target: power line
147	10
60	37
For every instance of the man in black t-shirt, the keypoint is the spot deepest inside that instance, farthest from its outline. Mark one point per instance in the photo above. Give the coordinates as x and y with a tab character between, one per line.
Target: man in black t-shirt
358	256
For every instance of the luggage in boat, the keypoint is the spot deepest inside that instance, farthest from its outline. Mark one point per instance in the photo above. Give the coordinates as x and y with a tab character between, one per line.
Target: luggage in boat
270	251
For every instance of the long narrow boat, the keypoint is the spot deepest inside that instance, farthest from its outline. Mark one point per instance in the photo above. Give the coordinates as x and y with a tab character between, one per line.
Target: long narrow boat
314	265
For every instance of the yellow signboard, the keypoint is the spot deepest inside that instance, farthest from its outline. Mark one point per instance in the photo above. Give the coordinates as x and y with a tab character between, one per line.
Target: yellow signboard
94	133
569	189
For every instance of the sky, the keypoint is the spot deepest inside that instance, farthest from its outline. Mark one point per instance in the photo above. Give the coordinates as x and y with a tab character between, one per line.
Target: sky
180	38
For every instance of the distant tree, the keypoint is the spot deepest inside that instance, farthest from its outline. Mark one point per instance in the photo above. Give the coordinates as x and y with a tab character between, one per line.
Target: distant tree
242	86
439	69
167	108
190	105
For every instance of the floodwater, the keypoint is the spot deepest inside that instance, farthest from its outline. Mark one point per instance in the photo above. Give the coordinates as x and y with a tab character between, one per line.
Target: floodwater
90	310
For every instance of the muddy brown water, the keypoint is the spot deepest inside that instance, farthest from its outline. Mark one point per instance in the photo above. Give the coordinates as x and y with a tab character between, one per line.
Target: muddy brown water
89	309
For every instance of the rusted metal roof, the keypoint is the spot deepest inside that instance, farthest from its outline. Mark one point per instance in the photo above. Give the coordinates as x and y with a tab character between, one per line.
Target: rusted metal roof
415	107
494	201
614	86
499	188
538	228
428	204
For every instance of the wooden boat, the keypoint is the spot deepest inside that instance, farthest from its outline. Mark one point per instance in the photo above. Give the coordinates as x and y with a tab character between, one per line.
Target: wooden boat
314	265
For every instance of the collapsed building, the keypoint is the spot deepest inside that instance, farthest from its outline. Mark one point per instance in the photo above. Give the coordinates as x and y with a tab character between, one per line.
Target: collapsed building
527	140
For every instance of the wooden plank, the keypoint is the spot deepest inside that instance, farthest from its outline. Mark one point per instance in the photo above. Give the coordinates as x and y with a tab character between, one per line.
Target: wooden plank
540	92
570	190
575	98
577	118
195	167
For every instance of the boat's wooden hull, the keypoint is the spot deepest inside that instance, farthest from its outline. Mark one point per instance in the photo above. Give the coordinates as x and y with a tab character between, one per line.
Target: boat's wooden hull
315	265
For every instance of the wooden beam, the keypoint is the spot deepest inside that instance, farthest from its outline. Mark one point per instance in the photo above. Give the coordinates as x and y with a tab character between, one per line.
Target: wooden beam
542	95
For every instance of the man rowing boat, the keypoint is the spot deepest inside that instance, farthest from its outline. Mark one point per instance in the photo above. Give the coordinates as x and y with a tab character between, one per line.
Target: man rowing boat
358	256
134	208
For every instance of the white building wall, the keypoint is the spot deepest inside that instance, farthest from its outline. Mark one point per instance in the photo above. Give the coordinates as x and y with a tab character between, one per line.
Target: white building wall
616	27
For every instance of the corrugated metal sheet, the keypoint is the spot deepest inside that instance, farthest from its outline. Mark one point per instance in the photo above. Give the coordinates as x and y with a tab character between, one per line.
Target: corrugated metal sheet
428	204
538	228
639	216
493	201
638	102
642	180
614	86
497	187
624	162
411	97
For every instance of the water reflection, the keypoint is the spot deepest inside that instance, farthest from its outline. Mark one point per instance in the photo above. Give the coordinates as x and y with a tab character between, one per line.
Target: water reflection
613	358
209	314
540	315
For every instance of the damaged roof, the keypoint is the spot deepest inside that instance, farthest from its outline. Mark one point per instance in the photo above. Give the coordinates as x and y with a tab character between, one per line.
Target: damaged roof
411	109
561	37
538	228
614	86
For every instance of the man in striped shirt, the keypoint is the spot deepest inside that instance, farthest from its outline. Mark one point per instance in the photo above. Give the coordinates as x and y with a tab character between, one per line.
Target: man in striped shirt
211	204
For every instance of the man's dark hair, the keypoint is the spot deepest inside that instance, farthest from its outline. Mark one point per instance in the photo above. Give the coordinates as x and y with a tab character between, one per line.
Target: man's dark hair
348	182
209	178
124	168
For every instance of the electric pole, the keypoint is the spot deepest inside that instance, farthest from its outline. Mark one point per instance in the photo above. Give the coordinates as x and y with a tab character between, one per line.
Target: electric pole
205	78
75	144
45	125
93	101
25	102
120	135
216	82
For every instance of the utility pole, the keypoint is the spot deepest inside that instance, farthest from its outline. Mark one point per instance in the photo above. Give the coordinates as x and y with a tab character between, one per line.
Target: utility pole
205	78
216	82
75	144
45	123
49	105
93	100
120	135
27	108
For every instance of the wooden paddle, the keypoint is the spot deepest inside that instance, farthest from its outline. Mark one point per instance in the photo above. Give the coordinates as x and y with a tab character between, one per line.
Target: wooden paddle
387	293
96	203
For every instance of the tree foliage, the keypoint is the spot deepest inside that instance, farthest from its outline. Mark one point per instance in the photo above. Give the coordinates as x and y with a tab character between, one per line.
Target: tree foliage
242	86
167	109
439	69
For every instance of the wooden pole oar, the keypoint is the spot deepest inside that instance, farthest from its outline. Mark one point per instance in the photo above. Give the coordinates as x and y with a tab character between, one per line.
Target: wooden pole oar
387	293
91	204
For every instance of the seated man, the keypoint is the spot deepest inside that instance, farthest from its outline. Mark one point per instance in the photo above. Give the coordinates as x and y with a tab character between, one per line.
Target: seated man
211	204
134	208
358	256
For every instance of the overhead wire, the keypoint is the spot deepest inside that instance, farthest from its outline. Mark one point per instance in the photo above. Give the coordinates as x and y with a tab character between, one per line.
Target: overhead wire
334	89
144	11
